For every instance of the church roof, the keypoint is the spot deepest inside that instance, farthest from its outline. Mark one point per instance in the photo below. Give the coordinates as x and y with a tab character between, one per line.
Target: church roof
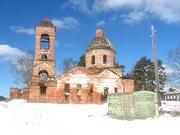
90	71
45	22
100	42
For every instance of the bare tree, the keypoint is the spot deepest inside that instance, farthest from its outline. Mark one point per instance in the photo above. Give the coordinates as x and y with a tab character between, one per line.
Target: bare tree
22	68
69	64
174	63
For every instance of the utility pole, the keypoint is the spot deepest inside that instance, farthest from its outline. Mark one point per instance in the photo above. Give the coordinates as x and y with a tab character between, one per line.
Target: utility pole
157	97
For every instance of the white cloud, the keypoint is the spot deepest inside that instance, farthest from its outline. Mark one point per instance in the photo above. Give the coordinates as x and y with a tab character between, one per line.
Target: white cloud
165	10
133	17
109	5
8	53
101	23
81	5
66	23
20	29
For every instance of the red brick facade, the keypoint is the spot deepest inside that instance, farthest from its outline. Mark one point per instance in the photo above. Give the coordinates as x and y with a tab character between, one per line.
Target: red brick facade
90	84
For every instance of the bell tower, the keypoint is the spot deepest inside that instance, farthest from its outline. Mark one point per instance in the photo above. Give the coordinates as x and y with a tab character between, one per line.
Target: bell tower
44	48
43	67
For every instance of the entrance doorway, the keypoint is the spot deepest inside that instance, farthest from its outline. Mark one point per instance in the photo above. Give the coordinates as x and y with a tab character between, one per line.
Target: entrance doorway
105	93
43	89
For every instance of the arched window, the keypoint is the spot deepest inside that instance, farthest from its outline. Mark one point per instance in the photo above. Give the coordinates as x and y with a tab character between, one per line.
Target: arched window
104	59
114	62
67	88
106	91
43	75
91	90
79	86
44	41
44	57
93	59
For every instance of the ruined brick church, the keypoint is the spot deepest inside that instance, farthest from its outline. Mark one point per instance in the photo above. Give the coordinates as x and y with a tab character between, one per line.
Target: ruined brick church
89	84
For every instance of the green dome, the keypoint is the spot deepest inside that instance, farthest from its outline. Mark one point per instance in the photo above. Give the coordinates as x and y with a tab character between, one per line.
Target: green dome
100	42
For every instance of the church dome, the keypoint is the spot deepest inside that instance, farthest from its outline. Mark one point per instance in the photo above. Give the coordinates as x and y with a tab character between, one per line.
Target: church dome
45	22
100	53
100	42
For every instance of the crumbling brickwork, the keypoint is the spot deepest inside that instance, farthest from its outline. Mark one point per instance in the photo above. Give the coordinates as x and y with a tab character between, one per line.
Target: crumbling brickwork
89	84
128	85
100	53
15	93
43	86
25	94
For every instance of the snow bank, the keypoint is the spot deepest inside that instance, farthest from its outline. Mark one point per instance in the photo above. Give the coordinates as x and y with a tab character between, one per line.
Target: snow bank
17	101
170	106
20	118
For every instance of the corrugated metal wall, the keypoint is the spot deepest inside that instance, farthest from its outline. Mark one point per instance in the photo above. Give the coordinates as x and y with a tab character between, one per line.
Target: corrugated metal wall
132	105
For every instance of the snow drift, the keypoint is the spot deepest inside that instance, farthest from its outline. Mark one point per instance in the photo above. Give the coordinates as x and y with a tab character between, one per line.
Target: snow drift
18	117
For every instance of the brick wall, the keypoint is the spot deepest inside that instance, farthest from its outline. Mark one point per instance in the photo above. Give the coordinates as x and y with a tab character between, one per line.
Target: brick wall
15	93
99	58
25	94
128	85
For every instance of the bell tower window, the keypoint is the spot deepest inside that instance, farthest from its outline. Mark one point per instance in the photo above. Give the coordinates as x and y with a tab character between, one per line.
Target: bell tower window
45	41
104	59
44	57
93	59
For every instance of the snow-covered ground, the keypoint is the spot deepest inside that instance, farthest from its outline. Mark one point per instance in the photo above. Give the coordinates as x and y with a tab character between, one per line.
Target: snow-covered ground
170	106
20	118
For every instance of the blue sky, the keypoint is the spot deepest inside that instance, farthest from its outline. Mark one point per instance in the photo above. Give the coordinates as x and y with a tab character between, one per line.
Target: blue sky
126	24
